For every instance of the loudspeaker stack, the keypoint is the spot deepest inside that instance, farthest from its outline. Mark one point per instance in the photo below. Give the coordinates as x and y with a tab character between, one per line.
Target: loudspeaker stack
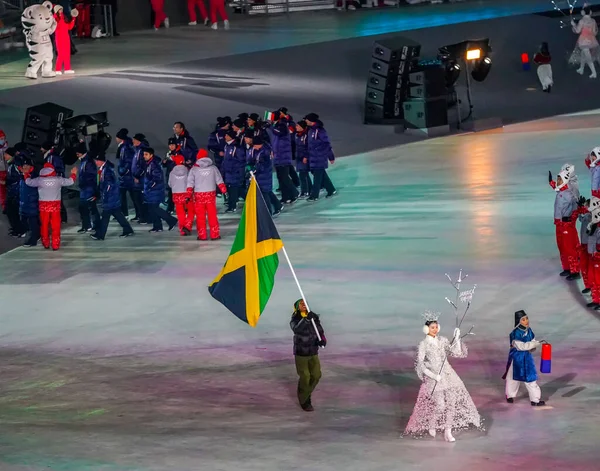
388	82
41	124
427	105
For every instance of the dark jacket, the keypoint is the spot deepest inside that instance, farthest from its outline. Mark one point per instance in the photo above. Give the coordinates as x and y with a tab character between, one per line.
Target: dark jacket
14	176
29	198
301	151
216	144
138	165
52	157
109	187
189	148
306	342
261	160
234	164
88	178
125	153
154	182
319	147
281	142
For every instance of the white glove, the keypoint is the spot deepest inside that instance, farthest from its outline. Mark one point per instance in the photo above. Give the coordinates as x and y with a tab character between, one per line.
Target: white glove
457	333
438	378
74	13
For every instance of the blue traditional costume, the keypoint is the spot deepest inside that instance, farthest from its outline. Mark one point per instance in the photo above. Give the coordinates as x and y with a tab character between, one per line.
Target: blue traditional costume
520	367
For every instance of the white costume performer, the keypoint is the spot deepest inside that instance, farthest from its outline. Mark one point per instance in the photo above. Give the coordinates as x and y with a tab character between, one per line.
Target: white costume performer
573	180
586	51
38	24
450	406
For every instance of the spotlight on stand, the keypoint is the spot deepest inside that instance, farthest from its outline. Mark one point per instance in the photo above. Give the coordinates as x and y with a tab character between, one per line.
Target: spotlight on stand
452	73
481	69
474	55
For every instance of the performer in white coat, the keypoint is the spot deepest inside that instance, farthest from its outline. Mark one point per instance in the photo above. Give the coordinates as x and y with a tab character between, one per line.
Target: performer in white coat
443	402
586	50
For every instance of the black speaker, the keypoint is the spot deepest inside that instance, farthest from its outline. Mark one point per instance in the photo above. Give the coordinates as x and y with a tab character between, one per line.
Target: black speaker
36	137
387	83
421	114
396	49
41	123
428	83
377	114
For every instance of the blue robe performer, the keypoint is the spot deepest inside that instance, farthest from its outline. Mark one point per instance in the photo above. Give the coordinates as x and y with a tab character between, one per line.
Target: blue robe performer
520	367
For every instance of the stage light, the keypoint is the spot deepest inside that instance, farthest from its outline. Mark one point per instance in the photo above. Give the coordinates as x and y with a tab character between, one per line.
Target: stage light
452	73
473	54
481	69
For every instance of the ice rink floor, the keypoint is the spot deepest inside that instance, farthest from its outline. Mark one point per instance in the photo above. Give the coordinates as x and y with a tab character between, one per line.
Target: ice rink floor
114	356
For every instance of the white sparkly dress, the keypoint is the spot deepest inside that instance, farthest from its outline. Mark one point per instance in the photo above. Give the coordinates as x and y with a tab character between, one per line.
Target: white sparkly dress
451	406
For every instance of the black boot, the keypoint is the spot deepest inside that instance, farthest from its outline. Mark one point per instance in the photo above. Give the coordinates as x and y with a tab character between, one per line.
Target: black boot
510	400
593	305
537	404
586	291
573	276
565	273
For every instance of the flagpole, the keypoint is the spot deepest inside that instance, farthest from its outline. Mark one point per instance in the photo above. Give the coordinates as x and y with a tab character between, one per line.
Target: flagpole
289	262
300	289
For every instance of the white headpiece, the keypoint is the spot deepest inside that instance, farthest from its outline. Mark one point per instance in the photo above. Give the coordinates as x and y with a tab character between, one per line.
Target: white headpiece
594	204
595	155
565	176
430	316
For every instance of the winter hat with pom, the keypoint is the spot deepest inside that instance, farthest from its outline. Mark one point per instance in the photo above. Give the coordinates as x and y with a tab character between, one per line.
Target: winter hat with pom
48	171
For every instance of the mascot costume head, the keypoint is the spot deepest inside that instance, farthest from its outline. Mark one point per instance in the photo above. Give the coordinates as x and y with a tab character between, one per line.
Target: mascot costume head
38	24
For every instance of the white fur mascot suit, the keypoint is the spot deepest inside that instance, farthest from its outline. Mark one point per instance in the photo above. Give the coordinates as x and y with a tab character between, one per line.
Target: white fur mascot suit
38	24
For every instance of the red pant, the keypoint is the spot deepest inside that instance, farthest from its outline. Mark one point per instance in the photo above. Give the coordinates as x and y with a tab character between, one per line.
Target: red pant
84	22
567	241
159	12
217	6
192	9
584	262
206	205
184	211
63	60
594	276
50	219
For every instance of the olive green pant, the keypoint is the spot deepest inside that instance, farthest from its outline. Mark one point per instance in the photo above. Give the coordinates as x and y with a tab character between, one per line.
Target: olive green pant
309	372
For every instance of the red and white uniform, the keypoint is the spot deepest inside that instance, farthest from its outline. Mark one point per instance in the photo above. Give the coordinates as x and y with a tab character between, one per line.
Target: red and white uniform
184	206
565	217
203	180
49	188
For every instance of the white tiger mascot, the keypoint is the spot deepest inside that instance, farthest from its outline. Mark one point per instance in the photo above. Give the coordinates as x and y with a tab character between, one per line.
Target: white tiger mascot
38	24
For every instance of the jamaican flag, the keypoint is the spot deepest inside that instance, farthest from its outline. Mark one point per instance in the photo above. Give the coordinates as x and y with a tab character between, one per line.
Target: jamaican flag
246	281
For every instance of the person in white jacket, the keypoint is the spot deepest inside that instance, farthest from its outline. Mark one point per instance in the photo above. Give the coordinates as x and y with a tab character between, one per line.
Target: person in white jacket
49	187
202	183
184	207
443	402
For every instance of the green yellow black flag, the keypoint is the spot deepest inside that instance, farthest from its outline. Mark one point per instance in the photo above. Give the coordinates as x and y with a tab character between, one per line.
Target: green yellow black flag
246	281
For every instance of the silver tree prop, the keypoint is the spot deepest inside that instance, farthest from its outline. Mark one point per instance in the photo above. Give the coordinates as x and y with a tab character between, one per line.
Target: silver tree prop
464	297
555	7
